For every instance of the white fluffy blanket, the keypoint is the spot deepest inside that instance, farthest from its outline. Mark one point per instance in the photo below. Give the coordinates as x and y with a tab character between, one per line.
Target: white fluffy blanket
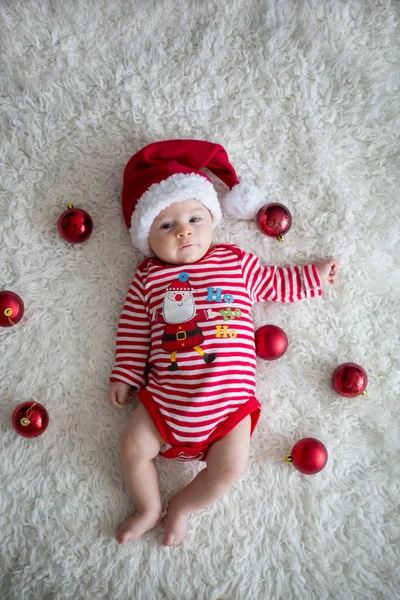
305	98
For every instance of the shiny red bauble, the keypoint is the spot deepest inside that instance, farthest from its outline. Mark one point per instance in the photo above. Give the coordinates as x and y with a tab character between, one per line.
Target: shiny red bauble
274	220
30	419
271	342
11	308
75	225
309	456
350	380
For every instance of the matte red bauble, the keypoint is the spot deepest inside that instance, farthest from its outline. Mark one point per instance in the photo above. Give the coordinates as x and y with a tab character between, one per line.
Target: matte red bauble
30	419
350	380
274	220
75	225
271	342
11	308
309	456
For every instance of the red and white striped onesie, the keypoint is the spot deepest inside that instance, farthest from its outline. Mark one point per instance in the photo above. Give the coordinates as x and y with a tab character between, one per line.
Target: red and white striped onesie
185	339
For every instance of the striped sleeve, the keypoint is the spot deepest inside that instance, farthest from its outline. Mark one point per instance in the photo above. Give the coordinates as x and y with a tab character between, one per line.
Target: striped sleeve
133	338
279	284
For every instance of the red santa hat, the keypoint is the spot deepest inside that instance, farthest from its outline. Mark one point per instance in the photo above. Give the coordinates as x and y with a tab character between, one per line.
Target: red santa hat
166	172
179	285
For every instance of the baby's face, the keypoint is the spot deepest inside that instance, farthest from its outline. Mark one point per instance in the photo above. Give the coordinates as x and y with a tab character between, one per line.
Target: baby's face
182	232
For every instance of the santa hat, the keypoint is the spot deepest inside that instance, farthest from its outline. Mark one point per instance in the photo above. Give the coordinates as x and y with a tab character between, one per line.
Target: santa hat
166	172
179	285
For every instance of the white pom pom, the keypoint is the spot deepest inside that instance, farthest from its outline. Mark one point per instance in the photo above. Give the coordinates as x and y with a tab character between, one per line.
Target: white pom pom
243	201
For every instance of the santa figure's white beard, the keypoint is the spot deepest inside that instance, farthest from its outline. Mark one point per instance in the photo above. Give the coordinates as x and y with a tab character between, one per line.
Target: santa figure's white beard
175	311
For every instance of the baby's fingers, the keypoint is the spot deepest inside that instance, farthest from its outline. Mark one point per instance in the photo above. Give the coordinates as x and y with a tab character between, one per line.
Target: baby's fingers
114	399
334	267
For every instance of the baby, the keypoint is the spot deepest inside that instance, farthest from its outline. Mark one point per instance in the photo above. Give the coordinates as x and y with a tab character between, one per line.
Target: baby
186	337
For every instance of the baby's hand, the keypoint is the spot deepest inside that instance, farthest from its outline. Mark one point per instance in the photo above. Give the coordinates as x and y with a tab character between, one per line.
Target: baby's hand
119	393
328	271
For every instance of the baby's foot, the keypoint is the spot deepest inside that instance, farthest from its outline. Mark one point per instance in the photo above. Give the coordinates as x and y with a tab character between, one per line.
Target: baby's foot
176	527
136	525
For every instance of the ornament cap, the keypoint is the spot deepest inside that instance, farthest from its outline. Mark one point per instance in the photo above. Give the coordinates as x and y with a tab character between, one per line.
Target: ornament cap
288	459
25	421
8	312
69	206
281	239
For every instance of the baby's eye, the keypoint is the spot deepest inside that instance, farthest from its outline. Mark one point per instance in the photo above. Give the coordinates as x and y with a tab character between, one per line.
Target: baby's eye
195	219
166	226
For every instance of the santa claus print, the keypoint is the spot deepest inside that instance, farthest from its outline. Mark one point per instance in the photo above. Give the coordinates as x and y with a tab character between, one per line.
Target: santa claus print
182	331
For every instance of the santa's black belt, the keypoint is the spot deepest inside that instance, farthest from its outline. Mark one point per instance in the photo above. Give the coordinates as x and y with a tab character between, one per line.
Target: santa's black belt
180	335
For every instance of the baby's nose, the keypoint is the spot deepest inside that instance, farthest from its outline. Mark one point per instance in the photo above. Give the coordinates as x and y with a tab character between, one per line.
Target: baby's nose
184	231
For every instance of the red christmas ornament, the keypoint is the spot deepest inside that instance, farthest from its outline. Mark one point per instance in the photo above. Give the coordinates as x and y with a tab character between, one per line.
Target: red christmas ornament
75	225
271	342
11	308
30	419
350	380
309	456
274	220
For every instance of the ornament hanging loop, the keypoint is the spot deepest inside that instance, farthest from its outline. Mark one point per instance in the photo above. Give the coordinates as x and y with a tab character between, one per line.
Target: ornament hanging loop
8	312
25	421
29	411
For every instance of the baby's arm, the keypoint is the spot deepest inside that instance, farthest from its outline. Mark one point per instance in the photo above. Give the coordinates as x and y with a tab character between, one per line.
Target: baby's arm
132	346
286	284
279	284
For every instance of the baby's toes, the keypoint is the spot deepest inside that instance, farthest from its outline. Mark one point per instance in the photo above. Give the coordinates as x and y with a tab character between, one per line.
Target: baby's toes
176	529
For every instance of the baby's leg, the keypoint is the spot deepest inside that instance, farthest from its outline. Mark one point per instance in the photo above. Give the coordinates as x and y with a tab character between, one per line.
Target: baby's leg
226	462
140	443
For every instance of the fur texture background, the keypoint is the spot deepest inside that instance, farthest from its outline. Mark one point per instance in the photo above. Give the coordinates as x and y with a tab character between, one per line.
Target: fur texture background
305	98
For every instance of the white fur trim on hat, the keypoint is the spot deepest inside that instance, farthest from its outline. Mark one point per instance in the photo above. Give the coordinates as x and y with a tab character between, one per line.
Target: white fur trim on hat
243	201
176	188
